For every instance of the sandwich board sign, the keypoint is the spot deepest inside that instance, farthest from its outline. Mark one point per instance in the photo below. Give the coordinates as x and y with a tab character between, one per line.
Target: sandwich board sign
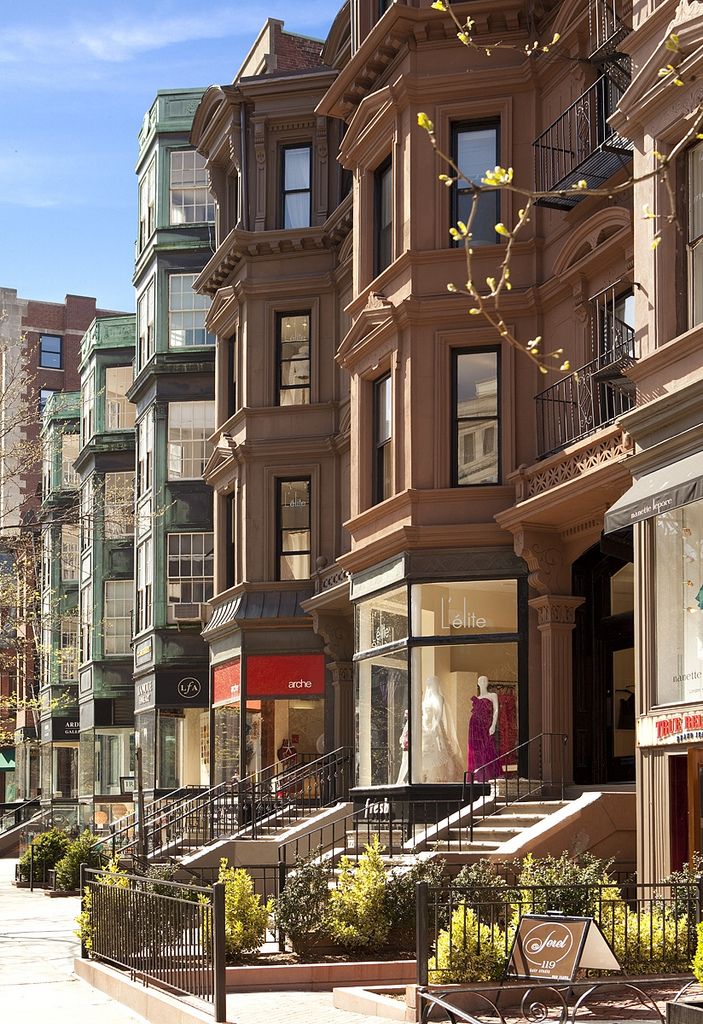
555	947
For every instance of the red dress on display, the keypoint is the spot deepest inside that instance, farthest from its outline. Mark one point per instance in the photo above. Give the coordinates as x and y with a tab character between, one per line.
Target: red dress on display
482	751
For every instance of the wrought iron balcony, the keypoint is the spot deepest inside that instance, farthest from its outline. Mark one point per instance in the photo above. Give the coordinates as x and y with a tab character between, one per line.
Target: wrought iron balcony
580	144
609	21
591	397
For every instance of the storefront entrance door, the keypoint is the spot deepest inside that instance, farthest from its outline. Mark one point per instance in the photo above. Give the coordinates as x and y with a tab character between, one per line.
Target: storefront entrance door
695	798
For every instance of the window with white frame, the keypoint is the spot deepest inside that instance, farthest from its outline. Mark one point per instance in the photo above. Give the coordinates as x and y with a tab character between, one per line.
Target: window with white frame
145	580
46	471
68	653
88	408
190	567
87	512
117	615
69	551
189	426
119	411
191	201
145	325
86	616
186	313
70	444
118	508
147	204
46	558
145	452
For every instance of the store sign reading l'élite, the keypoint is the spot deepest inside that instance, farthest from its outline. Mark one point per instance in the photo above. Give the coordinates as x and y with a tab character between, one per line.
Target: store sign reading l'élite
455	615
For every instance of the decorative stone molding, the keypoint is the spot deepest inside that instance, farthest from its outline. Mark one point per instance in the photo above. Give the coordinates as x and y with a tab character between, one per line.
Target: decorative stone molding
337	632
260	153
556	610
574	464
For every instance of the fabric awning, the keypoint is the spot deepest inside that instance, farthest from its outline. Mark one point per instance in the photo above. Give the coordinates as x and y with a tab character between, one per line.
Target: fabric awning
660	491
7	760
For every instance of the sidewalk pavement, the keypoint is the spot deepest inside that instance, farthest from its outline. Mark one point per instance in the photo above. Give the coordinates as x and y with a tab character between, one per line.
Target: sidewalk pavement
37	948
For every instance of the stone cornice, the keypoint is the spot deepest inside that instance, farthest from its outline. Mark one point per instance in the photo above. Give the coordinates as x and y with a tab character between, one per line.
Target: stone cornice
556	610
418	538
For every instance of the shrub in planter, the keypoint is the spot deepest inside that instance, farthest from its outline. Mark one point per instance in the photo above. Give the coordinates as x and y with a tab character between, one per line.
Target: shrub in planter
399	900
651	942
48	848
79	851
112	875
302	908
246	917
468	951
571	884
358	912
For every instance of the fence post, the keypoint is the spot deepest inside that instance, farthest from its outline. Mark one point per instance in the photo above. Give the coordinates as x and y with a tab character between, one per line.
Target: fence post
81	886
218	952
421	949
699	902
31	866
281	887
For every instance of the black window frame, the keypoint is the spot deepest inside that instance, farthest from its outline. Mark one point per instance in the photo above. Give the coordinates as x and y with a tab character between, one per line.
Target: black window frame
382	447
497	419
42	351
280	386
232	375
458	128
280	481
379	229
295	191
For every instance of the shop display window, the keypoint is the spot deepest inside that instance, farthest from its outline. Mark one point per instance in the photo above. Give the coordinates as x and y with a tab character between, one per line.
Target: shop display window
65	771
678	554
114	757
464	608
227	726
464	711
382	731
428	710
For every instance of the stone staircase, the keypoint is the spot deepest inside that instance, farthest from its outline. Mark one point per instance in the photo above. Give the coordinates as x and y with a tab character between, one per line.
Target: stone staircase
492	832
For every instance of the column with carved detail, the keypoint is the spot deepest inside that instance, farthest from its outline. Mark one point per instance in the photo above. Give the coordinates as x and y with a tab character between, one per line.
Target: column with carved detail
556	618
259	124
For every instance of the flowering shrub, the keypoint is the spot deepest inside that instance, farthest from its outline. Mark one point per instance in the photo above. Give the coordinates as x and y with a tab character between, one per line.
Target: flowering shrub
468	950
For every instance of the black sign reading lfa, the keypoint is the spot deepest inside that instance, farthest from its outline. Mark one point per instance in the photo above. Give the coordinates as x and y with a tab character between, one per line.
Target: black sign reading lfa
554	947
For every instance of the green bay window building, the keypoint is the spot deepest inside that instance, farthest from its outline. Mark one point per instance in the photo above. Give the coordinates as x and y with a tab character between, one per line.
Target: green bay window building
105	560
173	393
58	606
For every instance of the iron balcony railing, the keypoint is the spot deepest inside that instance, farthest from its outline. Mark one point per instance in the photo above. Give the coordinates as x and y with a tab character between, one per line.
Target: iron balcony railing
581	145
590	397
609	21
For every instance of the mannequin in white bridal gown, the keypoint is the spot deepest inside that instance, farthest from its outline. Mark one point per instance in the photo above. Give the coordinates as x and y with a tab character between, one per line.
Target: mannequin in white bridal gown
441	753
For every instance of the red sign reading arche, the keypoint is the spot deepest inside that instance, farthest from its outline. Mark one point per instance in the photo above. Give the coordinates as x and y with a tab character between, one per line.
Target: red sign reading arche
285	675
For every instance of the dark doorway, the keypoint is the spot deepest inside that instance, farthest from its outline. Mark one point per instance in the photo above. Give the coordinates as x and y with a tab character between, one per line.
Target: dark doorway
603	668
678	810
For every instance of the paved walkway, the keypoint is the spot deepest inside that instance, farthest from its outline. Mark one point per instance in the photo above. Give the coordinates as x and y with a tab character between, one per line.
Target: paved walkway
37	948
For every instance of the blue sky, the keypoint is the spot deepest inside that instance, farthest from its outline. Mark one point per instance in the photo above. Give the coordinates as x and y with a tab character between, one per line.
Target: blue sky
76	77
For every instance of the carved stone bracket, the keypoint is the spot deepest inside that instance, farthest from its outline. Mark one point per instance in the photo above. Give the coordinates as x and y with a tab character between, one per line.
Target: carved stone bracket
337	632
542	550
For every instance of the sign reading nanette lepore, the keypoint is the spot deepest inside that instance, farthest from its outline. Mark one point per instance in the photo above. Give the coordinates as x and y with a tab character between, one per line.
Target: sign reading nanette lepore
555	947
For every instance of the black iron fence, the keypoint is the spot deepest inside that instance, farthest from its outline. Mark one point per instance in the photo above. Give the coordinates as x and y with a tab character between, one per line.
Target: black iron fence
164	933
464	932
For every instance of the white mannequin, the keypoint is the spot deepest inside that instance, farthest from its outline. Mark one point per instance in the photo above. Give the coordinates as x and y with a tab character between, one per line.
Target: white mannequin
441	754
485	695
403	741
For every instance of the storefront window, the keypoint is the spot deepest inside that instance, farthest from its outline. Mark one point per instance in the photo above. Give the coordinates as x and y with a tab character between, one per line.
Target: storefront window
464	711
169	736
382	733
464	609
114	752
679	604
382	620
65	773
227	725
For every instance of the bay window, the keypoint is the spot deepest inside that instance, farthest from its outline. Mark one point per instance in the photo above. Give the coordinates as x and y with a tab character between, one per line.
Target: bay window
476	426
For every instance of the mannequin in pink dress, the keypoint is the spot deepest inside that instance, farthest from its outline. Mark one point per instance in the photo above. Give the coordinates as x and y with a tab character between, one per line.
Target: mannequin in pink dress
481	752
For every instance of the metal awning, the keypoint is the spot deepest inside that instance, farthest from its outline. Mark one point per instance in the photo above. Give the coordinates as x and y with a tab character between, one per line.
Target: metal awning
7	760
660	491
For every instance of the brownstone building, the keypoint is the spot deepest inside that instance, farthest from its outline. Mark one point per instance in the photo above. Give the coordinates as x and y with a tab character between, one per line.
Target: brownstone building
450	557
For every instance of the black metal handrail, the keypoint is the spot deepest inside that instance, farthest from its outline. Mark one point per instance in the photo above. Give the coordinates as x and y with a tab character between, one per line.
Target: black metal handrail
533	756
165	933
270	804
12	815
579	132
585	400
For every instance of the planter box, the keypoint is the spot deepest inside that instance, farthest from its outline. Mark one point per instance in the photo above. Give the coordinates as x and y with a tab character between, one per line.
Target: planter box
688	1011
320	976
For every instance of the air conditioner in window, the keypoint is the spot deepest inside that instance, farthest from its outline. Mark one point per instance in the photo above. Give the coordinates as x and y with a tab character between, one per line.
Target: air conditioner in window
188	613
